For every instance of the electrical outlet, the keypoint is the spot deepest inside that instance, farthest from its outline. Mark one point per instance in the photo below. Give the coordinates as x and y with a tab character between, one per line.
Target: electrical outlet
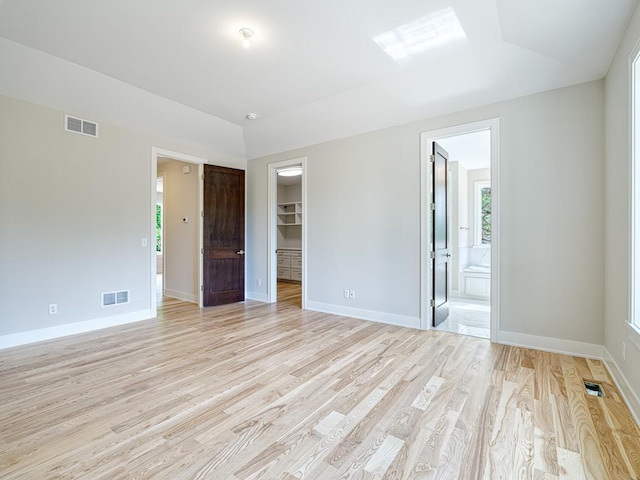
346	294
259	282
53	308
352	294
624	351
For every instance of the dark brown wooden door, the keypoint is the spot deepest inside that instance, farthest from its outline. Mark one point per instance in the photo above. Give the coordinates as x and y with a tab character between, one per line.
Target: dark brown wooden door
440	234
223	230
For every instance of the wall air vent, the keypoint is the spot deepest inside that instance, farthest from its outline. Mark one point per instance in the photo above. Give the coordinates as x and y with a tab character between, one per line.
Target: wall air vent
115	298
78	125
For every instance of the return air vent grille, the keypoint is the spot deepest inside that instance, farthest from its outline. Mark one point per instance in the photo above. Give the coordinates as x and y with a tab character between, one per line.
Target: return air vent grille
115	298
78	125
594	389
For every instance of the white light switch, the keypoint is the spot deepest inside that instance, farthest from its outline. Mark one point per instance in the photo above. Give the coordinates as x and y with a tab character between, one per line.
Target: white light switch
145	242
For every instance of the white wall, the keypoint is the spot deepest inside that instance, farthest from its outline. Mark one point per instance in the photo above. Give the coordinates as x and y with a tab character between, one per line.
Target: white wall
364	222
454	224
37	77
181	242
464	236
73	211
618	198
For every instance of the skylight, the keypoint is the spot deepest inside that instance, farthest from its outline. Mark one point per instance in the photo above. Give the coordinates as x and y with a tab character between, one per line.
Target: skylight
433	30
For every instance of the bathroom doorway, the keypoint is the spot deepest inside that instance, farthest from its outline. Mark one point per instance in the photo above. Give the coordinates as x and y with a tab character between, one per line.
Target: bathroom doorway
470	233
472	230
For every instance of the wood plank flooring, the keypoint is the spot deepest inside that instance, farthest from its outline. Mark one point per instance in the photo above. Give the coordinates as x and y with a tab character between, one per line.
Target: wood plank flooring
256	391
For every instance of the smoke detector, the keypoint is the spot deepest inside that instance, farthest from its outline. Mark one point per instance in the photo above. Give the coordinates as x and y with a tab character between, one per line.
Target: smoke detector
251	116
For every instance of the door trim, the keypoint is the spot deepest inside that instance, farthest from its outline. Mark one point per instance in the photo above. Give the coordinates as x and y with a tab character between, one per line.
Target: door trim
272	230
426	140
183	157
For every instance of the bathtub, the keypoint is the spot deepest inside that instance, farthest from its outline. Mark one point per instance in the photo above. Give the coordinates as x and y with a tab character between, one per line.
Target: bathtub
476	282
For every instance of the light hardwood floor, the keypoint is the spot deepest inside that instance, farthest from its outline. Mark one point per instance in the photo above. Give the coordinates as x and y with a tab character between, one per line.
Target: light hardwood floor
256	391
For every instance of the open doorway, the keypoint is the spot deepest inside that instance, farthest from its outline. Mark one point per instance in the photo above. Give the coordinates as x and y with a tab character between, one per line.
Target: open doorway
465	181
287	227
469	231
159	237
178	266
179	173
289	220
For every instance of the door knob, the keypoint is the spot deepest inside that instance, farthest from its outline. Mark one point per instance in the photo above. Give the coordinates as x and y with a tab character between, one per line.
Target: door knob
241	252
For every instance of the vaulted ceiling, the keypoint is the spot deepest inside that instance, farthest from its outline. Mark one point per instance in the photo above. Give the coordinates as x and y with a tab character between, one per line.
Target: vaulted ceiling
317	70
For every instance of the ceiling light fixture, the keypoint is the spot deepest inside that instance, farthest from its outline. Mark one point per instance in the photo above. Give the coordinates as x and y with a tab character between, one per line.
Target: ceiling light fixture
290	171
246	33
251	116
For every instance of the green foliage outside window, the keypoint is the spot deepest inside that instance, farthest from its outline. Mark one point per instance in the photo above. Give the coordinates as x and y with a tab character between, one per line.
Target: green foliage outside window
159	228
485	214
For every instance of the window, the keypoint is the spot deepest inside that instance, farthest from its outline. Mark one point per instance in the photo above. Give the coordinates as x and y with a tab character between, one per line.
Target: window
159	229
482	213
634	297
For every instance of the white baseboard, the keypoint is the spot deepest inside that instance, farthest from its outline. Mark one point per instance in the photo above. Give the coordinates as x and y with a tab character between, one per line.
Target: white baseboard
372	315
548	344
49	333
630	397
187	297
260	297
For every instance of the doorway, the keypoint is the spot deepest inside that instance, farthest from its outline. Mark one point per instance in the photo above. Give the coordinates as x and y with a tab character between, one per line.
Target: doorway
159	236
470	281
180	230
287	232
184	220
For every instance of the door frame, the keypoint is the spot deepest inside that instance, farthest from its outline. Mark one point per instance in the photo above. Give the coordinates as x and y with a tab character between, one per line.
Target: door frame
183	157
272	229
426	140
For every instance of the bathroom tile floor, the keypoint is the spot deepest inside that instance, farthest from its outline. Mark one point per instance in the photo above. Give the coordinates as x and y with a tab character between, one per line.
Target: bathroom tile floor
467	316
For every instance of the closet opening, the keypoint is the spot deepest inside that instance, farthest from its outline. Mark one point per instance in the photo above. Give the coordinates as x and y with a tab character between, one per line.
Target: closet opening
287	227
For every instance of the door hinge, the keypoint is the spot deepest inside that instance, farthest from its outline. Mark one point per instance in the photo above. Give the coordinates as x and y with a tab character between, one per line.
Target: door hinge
202	176
432	303
202	213
432	254
432	158
433	206
202	251
202	288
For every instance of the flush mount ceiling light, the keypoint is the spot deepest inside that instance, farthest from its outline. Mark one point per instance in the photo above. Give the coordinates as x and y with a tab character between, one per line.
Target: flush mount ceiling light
246	33
433	30
290	171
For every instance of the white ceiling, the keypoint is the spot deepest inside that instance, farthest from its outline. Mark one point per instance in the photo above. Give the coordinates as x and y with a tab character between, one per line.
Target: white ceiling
472	150
314	72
